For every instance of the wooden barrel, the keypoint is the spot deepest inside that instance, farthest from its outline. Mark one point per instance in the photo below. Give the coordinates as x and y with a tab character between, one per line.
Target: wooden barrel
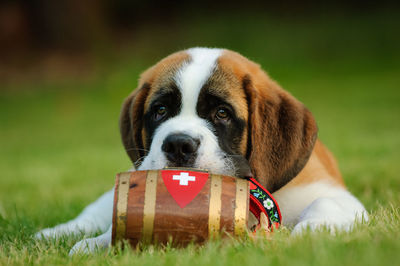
183	205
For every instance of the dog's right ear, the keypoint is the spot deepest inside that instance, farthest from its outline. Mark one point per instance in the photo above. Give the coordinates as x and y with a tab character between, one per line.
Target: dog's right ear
132	113
131	123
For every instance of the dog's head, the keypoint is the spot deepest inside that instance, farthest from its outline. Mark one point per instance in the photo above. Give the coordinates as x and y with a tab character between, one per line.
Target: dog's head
214	109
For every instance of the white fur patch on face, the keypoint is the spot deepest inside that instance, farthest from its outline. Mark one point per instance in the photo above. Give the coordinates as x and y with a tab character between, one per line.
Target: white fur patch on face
190	79
209	155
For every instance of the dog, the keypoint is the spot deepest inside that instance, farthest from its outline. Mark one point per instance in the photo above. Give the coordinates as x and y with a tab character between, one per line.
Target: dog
215	109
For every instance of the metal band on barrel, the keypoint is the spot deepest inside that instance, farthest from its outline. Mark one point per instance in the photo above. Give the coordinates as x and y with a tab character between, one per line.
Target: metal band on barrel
122	204
242	195
149	205
214	213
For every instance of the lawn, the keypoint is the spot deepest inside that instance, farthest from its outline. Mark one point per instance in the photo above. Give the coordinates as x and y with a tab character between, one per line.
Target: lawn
60	146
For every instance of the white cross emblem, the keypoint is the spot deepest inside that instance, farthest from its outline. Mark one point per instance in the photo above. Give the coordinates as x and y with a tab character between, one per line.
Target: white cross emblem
183	178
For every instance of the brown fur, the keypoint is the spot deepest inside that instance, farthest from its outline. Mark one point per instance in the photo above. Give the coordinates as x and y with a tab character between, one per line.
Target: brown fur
282	131
226	85
321	166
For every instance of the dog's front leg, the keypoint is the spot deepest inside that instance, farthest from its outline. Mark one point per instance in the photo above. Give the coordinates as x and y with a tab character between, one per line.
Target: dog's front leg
95	217
319	205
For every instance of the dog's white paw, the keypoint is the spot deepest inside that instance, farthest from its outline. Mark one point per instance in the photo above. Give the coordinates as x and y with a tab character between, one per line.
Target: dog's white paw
91	245
46	233
331	214
57	231
69	228
315	225
94	218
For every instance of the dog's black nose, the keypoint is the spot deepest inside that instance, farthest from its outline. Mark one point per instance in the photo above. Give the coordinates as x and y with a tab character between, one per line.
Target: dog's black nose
180	149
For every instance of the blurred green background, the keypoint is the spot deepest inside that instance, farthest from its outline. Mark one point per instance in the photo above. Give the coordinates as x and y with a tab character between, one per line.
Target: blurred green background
66	66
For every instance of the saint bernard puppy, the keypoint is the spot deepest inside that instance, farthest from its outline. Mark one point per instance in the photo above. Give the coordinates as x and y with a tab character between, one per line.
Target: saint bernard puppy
214	109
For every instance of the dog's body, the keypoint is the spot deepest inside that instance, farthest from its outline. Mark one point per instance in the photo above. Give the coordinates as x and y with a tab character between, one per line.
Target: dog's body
216	110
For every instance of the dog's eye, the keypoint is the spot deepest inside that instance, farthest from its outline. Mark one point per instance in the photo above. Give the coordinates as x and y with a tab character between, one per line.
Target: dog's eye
222	114
160	112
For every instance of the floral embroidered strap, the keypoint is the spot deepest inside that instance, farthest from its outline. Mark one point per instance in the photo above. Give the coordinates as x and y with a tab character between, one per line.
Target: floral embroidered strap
262	201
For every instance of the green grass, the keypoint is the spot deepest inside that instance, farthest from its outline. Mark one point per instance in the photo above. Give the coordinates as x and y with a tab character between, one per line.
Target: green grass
60	146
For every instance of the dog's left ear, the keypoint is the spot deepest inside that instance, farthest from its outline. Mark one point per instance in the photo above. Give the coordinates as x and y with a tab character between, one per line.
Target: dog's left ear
131	123
282	133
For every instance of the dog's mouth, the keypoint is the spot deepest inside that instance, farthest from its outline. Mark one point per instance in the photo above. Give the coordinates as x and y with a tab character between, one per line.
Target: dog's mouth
242	166
180	165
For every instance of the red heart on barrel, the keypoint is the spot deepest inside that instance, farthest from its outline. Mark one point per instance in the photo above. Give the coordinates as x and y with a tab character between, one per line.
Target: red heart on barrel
184	185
